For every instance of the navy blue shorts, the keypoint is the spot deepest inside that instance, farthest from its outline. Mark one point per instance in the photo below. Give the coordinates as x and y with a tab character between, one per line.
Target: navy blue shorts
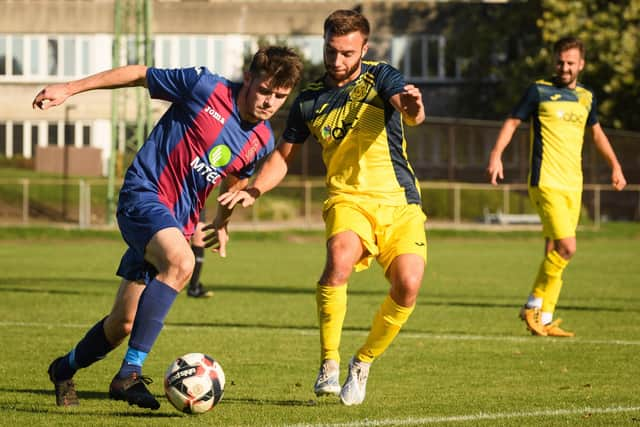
138	223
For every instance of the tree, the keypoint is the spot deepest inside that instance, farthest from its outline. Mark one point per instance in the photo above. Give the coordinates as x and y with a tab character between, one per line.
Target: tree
507	46
611	33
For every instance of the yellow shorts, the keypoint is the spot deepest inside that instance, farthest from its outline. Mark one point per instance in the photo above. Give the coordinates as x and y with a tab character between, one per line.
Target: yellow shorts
385	231
559	211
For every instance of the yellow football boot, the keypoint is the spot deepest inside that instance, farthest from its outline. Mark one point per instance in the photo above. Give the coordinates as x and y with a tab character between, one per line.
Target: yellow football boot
553	329
531	316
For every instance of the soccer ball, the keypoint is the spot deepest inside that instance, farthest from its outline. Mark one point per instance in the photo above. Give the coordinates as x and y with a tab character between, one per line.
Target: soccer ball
194	383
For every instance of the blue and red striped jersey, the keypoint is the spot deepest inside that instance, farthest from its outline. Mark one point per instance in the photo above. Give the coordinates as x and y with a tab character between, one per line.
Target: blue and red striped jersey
198	142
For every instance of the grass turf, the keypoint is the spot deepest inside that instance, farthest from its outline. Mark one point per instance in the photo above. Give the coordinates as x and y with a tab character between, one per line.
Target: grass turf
463	357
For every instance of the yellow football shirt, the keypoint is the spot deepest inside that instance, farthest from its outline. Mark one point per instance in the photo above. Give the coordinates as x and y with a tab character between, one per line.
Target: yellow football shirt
559	116
361	134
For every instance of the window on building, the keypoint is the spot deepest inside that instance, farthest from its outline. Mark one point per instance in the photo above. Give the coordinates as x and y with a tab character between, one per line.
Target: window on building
423	57
52	132
52	56
17	56
34	51
69	55
86	136
3	55
18	139
34	140
69	134
190	51
3	140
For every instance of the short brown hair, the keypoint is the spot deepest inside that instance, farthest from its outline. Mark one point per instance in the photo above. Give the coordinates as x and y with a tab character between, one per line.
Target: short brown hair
345	21
279	63
567	43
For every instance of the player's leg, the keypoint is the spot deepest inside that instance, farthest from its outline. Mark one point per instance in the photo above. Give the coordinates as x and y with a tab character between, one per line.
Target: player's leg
559	212
403	256
345	227
196	289
170	254
343	251
103	337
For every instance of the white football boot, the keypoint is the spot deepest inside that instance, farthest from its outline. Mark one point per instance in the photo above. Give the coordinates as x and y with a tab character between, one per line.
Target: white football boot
355	387
328	381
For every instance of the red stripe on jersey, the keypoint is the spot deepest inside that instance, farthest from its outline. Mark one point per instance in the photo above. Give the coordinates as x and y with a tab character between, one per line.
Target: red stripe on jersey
258	140
202	134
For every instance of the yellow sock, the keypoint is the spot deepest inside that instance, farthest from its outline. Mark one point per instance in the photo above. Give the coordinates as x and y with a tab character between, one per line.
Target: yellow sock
332	306
549	280
386	325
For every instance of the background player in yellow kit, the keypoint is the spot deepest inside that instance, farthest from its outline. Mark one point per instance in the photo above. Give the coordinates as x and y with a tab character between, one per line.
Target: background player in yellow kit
356	112
560	109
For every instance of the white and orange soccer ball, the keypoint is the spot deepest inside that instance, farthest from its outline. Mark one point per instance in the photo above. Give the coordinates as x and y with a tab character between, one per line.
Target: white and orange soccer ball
194	383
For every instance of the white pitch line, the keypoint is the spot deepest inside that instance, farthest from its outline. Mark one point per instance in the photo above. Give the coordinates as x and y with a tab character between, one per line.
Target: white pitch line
474	417
406	335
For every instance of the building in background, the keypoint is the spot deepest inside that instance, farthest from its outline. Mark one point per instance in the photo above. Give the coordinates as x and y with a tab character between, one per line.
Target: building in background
47	41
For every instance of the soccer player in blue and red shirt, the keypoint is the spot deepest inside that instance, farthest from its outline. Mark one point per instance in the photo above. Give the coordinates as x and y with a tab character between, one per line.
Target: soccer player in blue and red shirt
213	134
560	109
357	113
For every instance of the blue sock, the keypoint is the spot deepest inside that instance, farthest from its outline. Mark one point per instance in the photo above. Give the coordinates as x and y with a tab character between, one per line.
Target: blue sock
154	305
91	348
133	361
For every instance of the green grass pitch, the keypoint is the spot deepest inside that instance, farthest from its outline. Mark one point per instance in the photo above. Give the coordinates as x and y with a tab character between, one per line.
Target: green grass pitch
463	358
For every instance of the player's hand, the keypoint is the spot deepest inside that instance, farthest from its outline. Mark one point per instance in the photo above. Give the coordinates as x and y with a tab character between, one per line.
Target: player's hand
618	181
246	198
51	96
495	170
216	238
411	101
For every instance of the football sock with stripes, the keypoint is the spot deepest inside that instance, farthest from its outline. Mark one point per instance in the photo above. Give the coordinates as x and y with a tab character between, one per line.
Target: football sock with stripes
92	347
332	307
386	325
154	305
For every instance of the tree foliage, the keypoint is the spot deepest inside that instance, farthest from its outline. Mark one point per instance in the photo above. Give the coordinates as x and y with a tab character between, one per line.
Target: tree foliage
509	46
611	32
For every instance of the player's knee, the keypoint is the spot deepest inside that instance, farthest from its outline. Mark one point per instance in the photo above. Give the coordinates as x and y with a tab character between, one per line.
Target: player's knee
336	276
410	283
566	249
118	327
183	268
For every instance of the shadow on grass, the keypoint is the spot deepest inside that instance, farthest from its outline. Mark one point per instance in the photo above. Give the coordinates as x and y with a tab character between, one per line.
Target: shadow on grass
270	402
79	410
13	285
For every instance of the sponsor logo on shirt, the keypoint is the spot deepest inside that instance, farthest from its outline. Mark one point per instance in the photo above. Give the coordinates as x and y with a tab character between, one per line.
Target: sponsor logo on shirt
555	97
254	146
213	113
570	116
219	155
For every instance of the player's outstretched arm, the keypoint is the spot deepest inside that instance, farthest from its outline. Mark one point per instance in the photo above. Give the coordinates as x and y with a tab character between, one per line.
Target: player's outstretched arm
217	234
409	104
272	172
618	181
495	169
56	94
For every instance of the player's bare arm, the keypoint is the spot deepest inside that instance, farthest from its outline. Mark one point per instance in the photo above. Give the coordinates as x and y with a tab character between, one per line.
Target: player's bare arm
271	174
56	94
495	169
618	181
217	234
409	104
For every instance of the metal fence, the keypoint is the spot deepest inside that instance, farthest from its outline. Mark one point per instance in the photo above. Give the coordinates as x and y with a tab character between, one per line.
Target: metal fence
298	203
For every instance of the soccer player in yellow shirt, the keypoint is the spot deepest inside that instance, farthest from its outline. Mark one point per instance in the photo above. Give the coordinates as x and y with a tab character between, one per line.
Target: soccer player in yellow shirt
356	112
560	109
